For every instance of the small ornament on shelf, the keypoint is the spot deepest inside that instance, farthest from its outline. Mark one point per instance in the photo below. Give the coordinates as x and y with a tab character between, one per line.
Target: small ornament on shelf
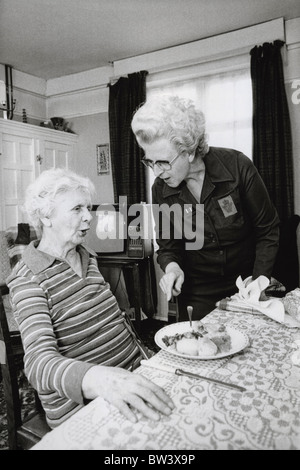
24	115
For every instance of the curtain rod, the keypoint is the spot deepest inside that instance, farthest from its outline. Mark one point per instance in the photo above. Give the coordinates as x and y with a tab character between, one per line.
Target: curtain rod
113	80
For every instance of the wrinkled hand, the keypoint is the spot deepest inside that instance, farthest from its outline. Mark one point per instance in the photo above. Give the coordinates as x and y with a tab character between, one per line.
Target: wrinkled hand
126	390
171	282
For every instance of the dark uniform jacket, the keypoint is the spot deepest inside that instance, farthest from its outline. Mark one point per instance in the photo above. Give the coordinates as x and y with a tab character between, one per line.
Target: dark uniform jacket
241	225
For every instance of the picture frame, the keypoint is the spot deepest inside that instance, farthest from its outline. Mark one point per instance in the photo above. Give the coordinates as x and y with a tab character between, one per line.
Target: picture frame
102	151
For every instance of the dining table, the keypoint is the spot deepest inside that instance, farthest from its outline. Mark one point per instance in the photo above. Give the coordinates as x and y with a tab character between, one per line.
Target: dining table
262	414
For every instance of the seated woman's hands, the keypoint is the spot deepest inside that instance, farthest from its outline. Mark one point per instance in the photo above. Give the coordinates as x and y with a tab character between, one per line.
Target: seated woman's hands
126	390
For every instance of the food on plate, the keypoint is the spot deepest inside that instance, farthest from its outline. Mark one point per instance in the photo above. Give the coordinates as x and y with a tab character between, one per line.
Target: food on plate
206	347
188	346
204	340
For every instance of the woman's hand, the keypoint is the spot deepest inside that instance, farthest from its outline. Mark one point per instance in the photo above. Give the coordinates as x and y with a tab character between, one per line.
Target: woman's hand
171	282
126	390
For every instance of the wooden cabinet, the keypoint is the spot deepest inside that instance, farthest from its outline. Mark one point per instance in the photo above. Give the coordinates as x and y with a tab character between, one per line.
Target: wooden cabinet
26	151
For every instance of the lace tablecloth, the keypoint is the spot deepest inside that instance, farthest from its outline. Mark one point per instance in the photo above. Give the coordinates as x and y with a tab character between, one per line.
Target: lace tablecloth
207	416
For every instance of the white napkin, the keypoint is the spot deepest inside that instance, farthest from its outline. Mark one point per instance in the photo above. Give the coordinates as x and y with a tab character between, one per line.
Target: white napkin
249	294
247	300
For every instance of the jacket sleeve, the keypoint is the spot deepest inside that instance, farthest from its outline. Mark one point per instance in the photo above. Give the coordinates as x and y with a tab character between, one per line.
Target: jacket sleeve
47	370
264	218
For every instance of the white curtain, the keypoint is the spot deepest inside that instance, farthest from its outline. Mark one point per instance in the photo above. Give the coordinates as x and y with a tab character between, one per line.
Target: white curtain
225	99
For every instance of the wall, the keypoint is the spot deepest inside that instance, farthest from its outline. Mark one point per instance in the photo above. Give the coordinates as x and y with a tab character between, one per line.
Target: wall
82	99
93	130
30	94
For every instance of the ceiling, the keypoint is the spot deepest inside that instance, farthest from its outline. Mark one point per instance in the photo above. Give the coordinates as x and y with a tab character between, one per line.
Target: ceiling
53	38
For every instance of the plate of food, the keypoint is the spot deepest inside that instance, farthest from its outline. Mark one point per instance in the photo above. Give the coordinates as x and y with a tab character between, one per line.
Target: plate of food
201	341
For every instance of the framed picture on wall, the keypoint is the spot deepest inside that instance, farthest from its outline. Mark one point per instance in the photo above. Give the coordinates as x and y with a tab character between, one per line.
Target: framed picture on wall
102	159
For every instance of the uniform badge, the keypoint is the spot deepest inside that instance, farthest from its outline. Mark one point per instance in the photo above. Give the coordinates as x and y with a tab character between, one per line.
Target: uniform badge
227	206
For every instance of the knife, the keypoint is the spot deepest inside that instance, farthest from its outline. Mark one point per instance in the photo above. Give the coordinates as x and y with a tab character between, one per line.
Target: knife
191	375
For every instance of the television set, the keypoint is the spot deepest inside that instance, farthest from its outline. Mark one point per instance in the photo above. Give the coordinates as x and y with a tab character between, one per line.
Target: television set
121	230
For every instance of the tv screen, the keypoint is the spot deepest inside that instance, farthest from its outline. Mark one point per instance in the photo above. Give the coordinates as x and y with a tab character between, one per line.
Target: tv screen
107	232
114	231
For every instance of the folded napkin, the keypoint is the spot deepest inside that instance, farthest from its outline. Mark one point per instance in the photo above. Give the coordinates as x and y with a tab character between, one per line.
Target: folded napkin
247	300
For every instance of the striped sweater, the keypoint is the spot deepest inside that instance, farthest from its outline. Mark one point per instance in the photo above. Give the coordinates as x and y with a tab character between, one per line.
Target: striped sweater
68	324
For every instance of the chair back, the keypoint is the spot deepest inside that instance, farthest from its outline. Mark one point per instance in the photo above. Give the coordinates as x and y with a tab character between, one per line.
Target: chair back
21	434
9	378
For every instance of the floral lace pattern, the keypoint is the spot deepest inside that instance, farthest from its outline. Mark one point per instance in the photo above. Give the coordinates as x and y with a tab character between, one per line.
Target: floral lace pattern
207	416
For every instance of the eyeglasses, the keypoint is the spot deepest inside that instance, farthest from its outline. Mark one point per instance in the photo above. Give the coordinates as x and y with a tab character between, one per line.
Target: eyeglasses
161	164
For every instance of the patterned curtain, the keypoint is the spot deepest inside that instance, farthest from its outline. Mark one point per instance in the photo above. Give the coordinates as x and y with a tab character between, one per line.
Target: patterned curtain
125	96
272	152
272	139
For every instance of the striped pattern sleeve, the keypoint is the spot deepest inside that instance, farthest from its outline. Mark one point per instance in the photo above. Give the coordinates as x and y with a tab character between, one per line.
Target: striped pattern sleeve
68	324
45	367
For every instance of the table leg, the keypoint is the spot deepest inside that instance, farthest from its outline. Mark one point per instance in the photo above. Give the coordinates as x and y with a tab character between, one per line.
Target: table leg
137	295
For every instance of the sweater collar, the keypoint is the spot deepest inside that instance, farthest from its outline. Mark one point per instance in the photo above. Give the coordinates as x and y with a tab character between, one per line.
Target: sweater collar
37	261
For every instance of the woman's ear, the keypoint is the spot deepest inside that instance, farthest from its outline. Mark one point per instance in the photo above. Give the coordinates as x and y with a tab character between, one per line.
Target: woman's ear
191	157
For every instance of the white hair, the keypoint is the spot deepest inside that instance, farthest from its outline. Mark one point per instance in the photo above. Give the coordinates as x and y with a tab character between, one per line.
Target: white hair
40	195
174	118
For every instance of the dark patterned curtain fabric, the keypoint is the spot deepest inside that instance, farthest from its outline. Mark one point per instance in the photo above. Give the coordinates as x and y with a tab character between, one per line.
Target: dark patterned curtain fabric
286	268
125	97
128	173
272	140
272	152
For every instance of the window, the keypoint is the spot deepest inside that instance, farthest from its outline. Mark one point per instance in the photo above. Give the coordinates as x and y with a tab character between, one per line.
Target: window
226	100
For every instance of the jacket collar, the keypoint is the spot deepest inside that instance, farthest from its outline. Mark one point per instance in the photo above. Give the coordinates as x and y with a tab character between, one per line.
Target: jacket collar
37	261
215	172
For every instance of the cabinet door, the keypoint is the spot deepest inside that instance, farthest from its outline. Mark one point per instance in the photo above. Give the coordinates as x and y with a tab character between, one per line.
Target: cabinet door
25	151
18	170
54	154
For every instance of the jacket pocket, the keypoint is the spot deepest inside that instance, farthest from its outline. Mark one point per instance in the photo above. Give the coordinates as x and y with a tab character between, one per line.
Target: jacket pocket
227	210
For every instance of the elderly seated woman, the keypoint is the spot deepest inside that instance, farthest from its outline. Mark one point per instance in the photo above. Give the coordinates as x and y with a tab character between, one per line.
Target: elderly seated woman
76	343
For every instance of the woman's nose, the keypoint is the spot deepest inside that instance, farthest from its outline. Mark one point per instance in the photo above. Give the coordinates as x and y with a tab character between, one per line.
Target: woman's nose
157	171
87	216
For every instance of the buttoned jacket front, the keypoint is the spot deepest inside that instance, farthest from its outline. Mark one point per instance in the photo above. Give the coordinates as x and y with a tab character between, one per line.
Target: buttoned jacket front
240	222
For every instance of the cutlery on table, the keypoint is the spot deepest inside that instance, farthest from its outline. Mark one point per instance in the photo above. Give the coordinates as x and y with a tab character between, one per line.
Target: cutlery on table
209	379
190	314
192	375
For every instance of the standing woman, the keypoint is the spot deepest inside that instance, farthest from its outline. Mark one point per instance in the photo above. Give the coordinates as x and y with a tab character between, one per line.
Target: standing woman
76	343
240	222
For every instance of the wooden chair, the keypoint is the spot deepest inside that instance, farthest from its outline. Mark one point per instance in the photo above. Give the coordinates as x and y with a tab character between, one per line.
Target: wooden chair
22	434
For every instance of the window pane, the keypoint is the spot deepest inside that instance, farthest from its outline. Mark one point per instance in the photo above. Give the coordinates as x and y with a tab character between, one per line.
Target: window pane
219	99
221	138
226	100
243	141
243	99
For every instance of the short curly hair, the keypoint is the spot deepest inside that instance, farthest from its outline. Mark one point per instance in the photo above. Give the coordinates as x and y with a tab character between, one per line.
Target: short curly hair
174	118
40	195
